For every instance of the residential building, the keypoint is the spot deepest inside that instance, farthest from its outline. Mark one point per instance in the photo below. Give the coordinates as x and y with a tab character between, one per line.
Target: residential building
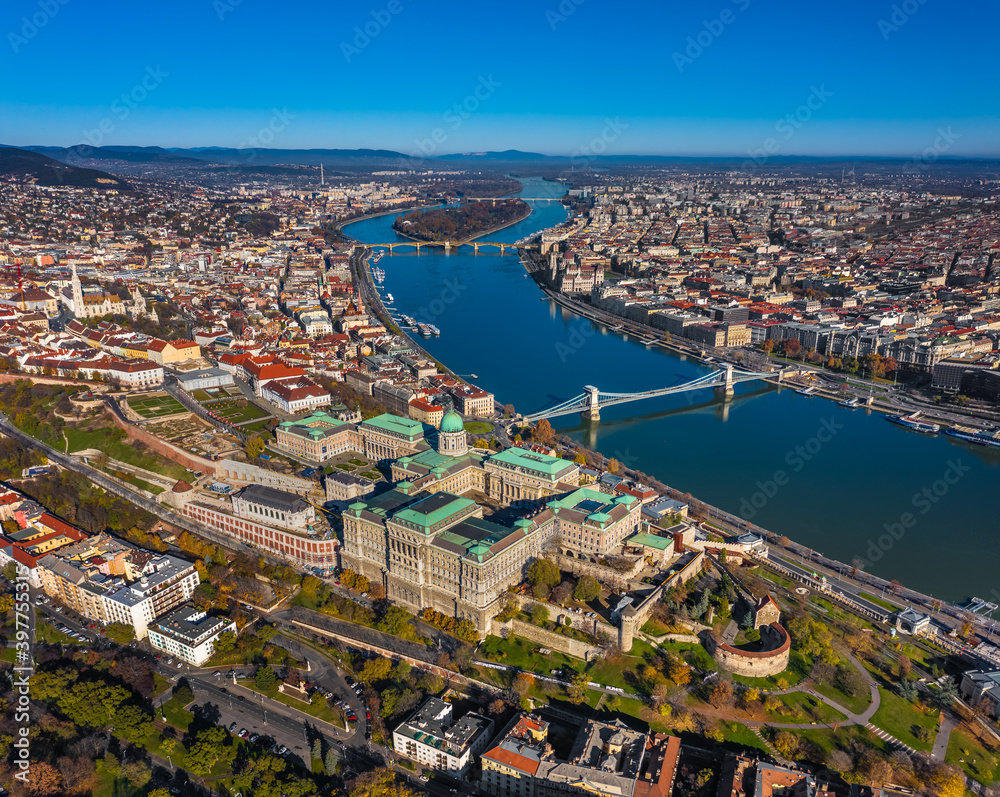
606	759
435	738
188	634
111	581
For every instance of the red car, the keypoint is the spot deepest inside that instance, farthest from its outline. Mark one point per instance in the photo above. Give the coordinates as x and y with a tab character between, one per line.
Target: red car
368	715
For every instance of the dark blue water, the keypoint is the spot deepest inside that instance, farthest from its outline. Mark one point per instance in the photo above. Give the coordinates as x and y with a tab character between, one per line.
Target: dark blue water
844	482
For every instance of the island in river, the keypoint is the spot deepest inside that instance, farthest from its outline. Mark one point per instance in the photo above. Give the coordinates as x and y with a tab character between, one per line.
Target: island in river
462	222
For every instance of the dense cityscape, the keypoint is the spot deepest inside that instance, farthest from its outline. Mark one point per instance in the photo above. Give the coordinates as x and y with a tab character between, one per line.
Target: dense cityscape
548	421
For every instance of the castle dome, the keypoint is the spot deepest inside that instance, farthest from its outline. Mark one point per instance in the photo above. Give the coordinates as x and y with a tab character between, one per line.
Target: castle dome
452	422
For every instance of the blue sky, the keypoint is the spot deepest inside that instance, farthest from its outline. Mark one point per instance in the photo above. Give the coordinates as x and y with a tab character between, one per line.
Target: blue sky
713	77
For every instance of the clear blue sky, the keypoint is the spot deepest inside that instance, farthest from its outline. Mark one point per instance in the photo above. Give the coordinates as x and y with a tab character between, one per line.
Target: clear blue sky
217	71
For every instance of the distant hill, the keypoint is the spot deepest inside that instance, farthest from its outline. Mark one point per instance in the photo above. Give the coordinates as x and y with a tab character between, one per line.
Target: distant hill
43	170
506	156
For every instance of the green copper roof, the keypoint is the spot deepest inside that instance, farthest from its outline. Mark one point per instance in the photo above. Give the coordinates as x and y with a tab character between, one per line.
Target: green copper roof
452	422
650	541
407	427
529	460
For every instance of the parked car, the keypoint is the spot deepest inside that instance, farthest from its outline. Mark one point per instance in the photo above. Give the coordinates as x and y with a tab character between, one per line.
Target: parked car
244	733
232	727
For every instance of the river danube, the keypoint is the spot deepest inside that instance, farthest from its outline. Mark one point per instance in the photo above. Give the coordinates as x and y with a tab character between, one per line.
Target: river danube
846	483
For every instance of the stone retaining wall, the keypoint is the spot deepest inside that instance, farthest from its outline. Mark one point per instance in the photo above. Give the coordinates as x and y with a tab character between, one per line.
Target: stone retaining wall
549	639
162	447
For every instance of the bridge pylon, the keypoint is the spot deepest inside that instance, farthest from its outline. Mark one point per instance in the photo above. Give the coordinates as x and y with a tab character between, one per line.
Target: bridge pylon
726	388
593	411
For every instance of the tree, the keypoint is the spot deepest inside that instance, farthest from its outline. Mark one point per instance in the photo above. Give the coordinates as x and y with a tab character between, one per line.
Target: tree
136	773
947	781
539	614
721	695
226	642
787	744
331	763
254	447
522	683
10	570
839	761
45	779
792	346
497	707
120	633
577	689
587	589
767	346
543	571
613	466
543	434
562	593
265	679
207	748
375	670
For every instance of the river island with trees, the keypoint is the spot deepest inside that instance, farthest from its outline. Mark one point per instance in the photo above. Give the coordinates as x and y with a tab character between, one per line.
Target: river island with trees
463	222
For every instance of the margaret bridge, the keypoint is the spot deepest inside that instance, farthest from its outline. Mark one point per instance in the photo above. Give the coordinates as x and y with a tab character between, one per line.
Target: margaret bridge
590	402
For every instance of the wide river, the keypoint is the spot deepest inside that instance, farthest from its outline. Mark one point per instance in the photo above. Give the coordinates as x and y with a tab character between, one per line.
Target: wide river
844	482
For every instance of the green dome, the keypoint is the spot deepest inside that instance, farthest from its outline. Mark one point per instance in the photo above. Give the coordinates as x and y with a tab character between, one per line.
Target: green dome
452	422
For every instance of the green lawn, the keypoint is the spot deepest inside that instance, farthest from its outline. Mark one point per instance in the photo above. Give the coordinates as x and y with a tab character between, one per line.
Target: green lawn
156	406
972	758
738	733
374	475
654	627
359	463
177	715
800	707
798	670
693	653
236	415
478	427
521	653
321	711
901	718
201	395
345	467
880	602
854	703
256	426
823	741
111	442
8	655
46	632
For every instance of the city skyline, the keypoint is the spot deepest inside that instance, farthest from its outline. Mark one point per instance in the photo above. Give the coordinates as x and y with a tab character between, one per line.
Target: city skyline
722	79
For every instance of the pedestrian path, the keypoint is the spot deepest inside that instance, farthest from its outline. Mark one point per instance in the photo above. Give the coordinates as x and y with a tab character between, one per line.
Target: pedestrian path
940	749
888	737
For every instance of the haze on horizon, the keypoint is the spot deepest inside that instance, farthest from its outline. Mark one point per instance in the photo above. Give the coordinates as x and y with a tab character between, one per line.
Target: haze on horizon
560	77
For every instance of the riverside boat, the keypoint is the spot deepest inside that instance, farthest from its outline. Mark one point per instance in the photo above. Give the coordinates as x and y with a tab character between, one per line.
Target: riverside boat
913	422
982	437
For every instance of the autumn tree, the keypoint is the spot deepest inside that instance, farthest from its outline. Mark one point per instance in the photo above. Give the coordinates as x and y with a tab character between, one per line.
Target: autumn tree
613	466
543	433
254	447
721	695
787	745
